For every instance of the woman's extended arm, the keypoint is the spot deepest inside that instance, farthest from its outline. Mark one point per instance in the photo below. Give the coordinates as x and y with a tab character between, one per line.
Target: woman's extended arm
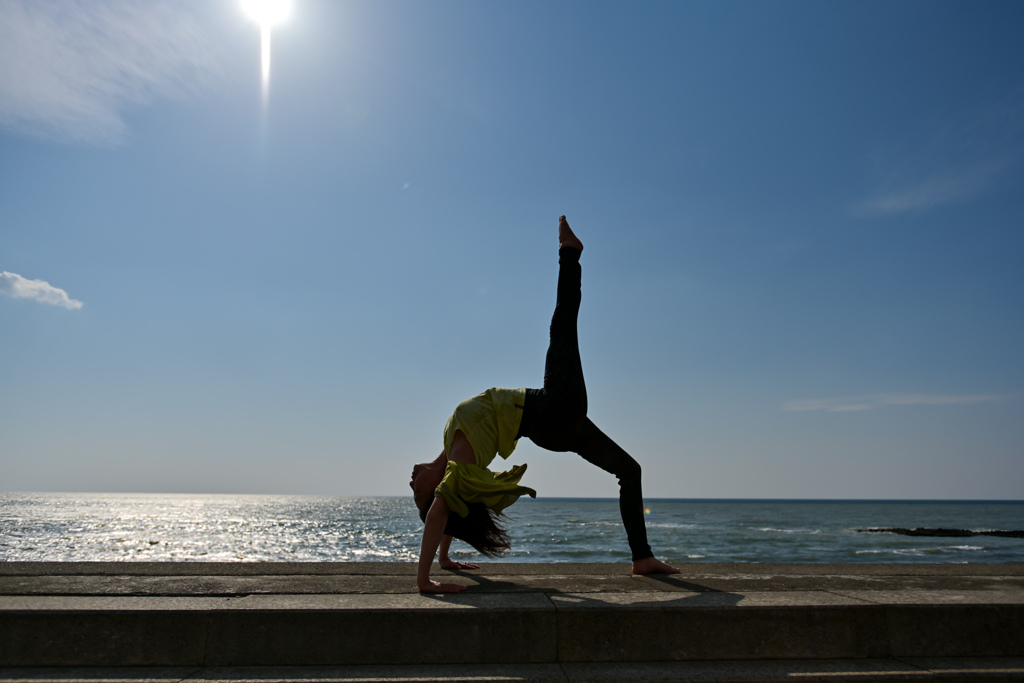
433	530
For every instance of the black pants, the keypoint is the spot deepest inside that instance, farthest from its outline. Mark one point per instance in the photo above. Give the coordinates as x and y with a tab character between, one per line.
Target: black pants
555	417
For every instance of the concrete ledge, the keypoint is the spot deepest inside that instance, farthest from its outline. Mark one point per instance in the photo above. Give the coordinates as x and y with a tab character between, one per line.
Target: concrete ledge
274	630
172	615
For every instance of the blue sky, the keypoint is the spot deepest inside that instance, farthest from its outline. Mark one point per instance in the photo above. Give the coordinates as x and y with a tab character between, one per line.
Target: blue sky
803	230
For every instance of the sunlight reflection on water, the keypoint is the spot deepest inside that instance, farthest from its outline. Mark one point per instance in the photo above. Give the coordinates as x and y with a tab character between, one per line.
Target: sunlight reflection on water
251	528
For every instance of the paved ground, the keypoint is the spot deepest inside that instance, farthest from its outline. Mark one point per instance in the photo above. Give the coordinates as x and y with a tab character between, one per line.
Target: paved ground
240	578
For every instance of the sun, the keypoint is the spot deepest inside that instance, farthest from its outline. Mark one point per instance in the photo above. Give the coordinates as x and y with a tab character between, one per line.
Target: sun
266	13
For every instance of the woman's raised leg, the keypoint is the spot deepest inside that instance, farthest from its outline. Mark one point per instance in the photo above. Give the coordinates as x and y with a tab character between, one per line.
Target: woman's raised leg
564	388
563	399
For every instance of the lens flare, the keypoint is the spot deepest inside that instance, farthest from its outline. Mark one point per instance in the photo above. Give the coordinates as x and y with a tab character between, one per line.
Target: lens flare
266	13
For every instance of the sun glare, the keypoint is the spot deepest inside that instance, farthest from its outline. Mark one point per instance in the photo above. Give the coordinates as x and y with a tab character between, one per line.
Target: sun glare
266	13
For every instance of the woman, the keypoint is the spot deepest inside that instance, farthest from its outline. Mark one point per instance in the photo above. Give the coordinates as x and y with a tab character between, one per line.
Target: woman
459	497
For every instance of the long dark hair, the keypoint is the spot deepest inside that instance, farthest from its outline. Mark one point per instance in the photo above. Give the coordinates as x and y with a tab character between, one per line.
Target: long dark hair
481	528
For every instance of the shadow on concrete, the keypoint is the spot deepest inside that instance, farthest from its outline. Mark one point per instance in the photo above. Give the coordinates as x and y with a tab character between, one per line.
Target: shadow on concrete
687	592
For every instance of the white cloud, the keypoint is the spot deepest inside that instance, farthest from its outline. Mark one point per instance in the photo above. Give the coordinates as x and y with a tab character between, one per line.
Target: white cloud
943	186
70	68
850	404
937	399
17	287
954	163
834	405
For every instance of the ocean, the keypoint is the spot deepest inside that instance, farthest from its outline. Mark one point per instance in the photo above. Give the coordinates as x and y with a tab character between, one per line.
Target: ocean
73	527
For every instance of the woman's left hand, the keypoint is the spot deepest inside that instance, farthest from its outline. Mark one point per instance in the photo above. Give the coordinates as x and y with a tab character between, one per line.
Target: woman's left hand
452	564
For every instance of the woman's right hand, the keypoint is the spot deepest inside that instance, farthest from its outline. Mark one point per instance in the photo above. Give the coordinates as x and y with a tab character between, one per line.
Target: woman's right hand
433	530
438	587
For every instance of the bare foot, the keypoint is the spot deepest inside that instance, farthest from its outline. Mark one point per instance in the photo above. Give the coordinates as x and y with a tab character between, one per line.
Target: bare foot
653	565
566	237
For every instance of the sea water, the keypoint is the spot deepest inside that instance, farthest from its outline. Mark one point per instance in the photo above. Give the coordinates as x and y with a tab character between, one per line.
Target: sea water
247	528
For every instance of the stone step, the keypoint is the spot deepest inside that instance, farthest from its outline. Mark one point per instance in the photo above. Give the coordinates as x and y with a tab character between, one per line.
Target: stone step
494	628
160	616
991	670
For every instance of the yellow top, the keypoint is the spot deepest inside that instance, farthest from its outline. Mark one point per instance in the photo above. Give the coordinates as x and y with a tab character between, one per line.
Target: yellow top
490	422
465	483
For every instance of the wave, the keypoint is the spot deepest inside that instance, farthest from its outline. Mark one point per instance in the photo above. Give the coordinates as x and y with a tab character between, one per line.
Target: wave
891	551
937	550
943	532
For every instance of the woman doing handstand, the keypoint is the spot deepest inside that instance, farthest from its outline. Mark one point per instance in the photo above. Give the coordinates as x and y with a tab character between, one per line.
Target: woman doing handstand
459	497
